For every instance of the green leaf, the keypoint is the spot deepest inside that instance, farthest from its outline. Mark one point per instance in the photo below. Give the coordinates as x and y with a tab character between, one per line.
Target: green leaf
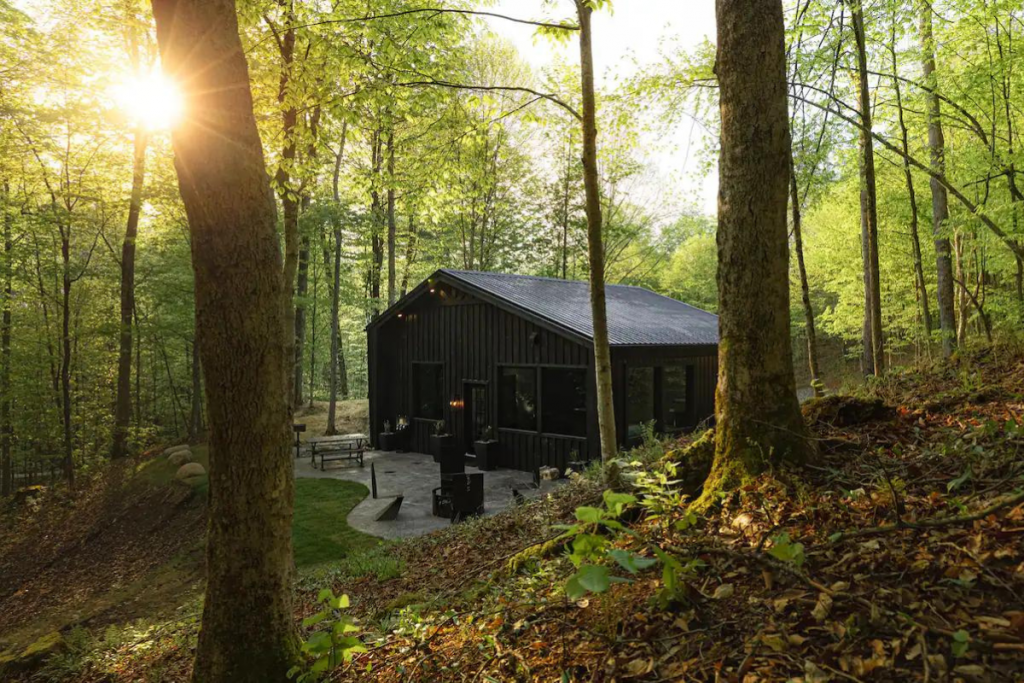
594	578
318	643
617	502
631	562
787	551
574	590
314	619
961	643
589	515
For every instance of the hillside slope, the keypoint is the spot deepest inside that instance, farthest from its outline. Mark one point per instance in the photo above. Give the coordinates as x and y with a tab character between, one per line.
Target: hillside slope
897	556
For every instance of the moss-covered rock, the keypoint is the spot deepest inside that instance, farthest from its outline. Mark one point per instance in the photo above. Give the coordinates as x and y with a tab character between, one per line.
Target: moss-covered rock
845	411
33	656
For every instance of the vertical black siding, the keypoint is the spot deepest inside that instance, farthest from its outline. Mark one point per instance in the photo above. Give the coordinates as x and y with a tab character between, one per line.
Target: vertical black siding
473	339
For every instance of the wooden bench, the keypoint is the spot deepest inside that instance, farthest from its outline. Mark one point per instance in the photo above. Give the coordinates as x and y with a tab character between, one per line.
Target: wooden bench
349	447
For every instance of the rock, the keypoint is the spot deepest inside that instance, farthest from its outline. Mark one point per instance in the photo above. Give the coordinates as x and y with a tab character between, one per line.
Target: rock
846	411
176	449
180	457
189	470
32	656
28	494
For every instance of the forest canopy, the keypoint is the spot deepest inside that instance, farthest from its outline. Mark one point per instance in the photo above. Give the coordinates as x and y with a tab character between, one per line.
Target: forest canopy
406	141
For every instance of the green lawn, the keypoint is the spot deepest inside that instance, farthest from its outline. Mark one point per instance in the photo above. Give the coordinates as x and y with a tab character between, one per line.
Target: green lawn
319	530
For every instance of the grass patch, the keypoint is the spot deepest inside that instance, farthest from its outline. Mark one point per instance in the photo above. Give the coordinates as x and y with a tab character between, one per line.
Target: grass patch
319	530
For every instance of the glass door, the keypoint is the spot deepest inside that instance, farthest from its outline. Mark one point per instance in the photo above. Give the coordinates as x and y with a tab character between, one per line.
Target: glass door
477	421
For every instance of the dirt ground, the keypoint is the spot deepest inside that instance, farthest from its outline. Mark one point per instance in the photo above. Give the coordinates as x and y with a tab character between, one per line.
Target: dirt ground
352	417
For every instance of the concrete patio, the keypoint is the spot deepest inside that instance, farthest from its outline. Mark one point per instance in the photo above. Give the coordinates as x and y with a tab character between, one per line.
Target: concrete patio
414	475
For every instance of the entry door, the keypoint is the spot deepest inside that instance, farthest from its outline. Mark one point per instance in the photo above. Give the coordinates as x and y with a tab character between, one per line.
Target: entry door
477	420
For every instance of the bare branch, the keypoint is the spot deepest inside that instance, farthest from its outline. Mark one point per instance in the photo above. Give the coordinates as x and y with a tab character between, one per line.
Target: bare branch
499	88
436	11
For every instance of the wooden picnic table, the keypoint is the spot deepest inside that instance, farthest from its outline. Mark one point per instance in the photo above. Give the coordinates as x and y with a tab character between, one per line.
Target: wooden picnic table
340	447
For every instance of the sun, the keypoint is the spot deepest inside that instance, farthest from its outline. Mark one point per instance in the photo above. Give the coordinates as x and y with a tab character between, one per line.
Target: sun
151	100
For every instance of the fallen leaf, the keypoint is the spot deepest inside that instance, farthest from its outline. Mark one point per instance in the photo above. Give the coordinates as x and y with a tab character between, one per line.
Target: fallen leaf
822	608
724	591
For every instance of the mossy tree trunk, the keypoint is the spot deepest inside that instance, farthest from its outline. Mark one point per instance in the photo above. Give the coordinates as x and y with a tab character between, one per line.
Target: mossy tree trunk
248	629
758	417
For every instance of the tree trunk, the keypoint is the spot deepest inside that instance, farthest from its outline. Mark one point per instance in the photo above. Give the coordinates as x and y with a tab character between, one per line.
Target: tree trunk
6	429
915	239
123	405
248	626
595	242
961	278
565	212
65	359
940	197
301	289
313	336
332	408
377	222
868	201
805	290
195	428
392	228
410	255
758	416
288	195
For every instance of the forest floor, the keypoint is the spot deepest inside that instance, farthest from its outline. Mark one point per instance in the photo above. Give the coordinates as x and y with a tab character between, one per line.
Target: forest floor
130	545
897	556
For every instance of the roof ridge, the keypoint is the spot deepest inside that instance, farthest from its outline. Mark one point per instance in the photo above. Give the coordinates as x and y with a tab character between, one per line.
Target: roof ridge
548	278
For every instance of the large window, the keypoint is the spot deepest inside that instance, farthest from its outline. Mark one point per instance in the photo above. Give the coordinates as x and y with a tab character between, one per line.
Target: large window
639	400
517	398
564	401
428	390
675	382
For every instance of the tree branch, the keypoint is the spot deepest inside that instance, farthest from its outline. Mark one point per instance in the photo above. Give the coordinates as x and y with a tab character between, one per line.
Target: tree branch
499	88
444	10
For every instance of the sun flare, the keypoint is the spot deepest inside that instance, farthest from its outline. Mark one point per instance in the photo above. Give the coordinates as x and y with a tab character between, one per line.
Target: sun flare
152	100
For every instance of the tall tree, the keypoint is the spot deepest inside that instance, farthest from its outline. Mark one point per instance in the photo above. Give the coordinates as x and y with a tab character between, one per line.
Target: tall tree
335	288
123	404
595	242
248	631
758	417
805	289
940	196
915	240
6	430
873	344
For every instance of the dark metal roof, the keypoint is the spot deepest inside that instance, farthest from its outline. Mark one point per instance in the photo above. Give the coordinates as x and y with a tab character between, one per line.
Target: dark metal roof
636	316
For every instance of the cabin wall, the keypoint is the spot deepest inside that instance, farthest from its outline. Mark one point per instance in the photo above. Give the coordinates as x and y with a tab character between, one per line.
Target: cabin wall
472	339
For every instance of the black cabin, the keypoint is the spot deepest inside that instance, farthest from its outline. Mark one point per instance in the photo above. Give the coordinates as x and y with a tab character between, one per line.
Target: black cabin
512	355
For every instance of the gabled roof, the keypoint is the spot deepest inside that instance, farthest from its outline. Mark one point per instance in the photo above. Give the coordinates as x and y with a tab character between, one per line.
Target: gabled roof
636	316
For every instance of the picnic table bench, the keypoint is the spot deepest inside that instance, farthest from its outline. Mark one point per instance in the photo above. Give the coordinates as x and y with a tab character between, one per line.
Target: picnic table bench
345	447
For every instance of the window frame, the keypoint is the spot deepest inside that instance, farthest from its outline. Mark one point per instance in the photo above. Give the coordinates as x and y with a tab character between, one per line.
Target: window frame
537	391
416	366
658	389
540	405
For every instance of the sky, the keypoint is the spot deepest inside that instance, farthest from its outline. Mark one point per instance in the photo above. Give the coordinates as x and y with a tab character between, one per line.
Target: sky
632	33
